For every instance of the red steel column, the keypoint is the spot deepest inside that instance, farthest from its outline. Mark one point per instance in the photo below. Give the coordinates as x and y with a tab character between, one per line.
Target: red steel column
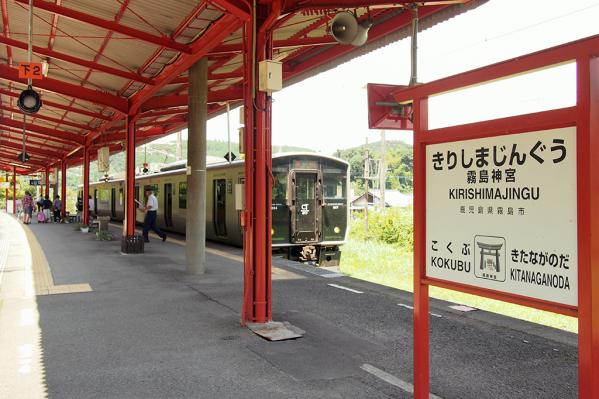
247	313
63	186
86	151
130	179
6	194
257	244
14	190
588	226
47	190
421	300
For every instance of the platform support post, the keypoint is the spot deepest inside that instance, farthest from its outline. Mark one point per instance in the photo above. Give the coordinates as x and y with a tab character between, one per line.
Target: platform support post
6	194
63	187
14	190
47	182
86	151
258	162
588	227
421	298
195	229
130	241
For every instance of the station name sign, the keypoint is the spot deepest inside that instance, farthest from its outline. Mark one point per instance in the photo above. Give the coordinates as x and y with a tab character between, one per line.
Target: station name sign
501	214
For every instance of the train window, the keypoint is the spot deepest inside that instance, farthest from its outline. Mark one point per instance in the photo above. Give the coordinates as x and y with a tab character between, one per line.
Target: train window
334	186
279	188
183	195
104	195
304	186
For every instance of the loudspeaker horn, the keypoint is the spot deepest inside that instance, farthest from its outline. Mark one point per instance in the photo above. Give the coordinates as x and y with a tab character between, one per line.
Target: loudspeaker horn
344	27
346	30
362	35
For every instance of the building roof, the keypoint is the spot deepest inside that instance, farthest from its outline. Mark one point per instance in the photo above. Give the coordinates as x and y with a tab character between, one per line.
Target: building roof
393	198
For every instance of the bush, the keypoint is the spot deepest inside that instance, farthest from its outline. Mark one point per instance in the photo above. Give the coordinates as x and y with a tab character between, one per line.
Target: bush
395	226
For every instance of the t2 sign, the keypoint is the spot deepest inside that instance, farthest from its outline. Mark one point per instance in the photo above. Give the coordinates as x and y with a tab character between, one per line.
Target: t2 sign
501	214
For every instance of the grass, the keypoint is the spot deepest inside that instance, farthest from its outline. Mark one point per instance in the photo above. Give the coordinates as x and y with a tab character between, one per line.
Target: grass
389	265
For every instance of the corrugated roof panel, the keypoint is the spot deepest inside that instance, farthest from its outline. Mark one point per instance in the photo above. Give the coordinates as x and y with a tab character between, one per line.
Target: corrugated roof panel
164	18
101	9
77	38
127	55
109	83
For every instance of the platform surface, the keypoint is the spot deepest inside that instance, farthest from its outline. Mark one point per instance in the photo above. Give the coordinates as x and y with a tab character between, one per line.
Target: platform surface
99	324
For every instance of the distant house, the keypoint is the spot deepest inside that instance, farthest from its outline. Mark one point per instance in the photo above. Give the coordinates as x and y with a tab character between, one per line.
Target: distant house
393	199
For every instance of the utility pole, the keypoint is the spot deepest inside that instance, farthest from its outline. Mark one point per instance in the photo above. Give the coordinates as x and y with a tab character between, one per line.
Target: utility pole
228	134
382	171
179	146
366	179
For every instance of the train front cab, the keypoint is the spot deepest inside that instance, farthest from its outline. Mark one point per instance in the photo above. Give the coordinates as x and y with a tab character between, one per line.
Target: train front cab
309	208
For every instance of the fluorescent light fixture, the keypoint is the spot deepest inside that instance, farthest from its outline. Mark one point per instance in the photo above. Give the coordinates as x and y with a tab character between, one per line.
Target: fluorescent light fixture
45	67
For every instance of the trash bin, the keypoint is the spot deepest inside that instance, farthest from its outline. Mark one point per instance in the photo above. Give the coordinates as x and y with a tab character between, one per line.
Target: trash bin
103	223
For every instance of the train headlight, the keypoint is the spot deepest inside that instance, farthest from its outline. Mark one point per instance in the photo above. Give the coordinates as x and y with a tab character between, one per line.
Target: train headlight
272	232
336	230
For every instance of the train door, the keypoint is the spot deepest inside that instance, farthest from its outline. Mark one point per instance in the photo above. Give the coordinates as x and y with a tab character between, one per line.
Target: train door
220	209
306	205
95	202
168	204
113	203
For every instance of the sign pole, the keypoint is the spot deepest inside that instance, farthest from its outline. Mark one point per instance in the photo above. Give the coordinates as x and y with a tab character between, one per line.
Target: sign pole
588	226
421	300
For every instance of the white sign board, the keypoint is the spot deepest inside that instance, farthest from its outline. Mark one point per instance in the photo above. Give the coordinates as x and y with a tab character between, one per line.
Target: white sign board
104	159
501	214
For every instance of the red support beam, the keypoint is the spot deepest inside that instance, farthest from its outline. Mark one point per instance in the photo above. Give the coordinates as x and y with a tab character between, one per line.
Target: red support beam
74	138
77	61
52	140
43	152
11	158
210	39
130	179
63	186
51	119
376	32
109	25
234	7
61	106
296	5
57	86
158	102
14	190
47	188
85	198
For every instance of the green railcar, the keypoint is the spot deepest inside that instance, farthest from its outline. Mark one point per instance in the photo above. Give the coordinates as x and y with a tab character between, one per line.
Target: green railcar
310	203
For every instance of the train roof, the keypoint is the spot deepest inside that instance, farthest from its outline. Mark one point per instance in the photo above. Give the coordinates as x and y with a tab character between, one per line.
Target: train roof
179	166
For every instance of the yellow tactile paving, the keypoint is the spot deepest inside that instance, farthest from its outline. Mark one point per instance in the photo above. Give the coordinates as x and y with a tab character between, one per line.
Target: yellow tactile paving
43	280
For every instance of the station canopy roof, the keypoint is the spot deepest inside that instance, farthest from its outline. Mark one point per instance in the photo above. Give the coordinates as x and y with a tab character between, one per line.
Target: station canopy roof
109	57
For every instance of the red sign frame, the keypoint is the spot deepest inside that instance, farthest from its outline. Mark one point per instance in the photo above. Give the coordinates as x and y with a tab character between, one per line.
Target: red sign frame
585	117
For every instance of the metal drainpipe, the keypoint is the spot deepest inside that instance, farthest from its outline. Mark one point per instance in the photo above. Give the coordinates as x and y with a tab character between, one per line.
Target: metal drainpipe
414	47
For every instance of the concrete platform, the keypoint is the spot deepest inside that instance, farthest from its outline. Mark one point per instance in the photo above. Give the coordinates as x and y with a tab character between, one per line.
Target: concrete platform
102	325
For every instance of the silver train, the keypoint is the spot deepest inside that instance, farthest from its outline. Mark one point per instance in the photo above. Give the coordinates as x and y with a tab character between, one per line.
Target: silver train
310	203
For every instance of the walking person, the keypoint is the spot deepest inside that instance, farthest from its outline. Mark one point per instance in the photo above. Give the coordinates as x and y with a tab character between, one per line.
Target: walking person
57	207
40	203
151	210
47	205
27	207
91	205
